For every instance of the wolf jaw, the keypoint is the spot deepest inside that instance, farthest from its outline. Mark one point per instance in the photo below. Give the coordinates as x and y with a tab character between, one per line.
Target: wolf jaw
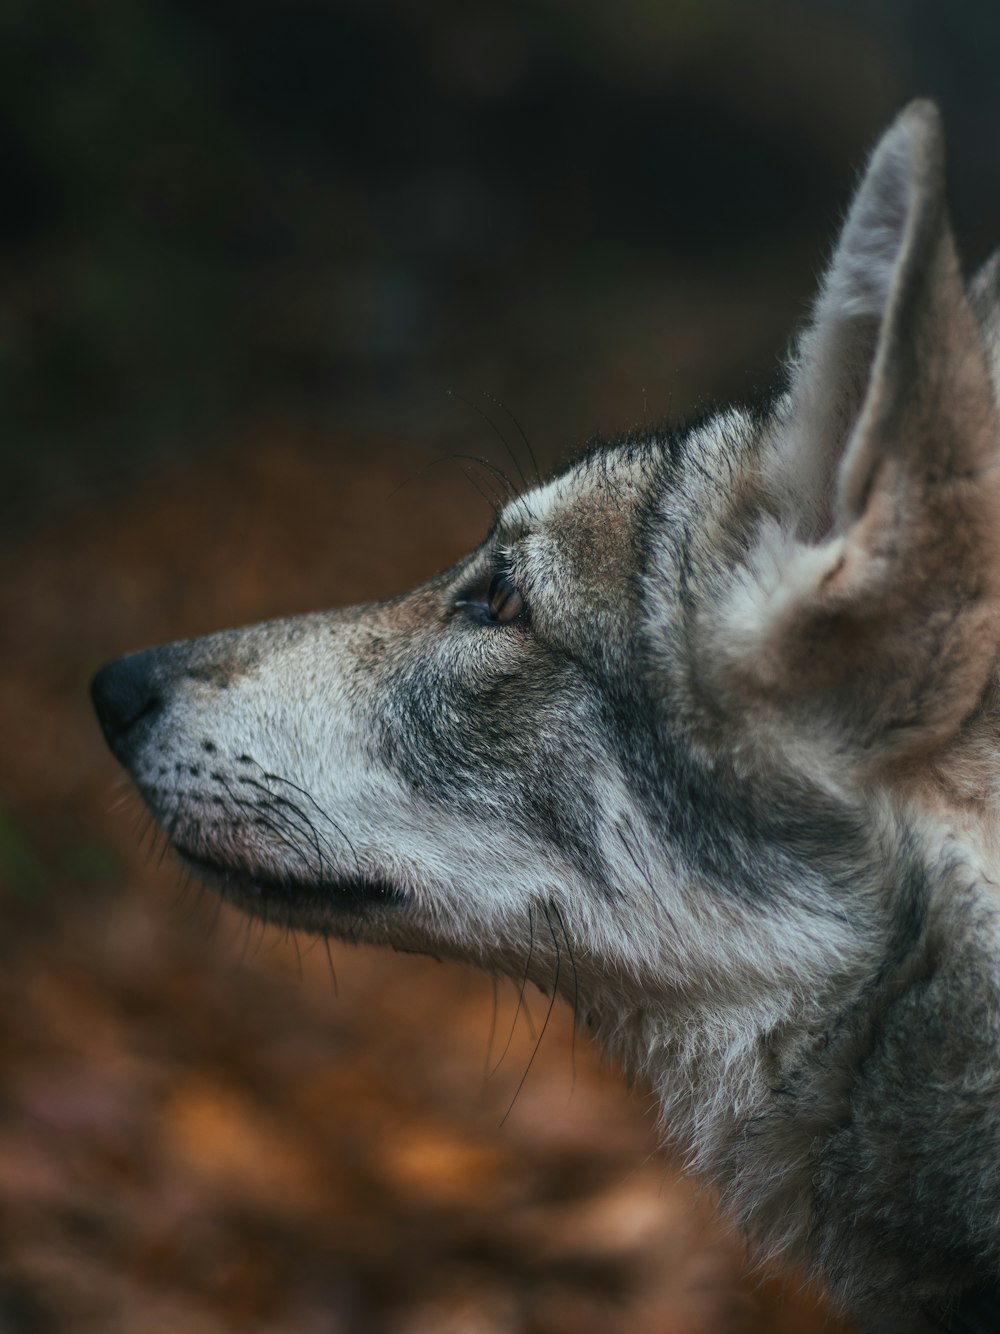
721	769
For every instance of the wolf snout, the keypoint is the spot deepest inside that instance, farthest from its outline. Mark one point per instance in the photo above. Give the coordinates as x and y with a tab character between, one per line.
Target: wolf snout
125	692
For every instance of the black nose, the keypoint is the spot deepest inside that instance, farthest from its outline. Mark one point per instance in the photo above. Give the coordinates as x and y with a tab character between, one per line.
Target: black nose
125	692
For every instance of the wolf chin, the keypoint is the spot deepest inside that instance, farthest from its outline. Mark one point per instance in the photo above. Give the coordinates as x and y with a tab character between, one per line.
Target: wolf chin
704	736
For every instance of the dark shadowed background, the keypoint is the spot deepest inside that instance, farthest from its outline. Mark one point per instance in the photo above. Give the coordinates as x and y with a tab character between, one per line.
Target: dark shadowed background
266	269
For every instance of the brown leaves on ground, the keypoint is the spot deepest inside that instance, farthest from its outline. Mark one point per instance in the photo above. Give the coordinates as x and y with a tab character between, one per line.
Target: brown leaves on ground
198	1131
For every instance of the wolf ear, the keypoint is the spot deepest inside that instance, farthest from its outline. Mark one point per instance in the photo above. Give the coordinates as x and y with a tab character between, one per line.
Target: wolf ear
884	603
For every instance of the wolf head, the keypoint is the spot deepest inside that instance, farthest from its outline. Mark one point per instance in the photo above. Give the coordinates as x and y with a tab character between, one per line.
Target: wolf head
702	735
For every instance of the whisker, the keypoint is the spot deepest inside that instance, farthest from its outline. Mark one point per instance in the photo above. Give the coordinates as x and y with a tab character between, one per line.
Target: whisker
529	1018
576	994
548	1016
120	802
285	810
277	778
329	959
164	849
493	1029
520	994
242	804
520	430
434	463
502	438
258	927
643	871
491	501
512	492
498	472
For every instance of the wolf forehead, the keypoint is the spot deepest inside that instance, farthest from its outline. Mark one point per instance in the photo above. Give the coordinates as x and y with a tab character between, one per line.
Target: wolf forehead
684	494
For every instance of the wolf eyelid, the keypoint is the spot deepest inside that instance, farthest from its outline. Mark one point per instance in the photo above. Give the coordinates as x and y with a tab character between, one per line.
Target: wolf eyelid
501	603
504	600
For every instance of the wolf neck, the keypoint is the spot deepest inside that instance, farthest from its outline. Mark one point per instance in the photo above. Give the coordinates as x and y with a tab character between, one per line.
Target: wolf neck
846	1122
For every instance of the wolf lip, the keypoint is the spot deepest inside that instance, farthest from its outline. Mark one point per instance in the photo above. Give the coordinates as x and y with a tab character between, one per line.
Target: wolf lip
254	889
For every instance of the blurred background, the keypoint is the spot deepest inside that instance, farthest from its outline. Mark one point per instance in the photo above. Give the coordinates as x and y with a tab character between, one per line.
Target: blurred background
266	270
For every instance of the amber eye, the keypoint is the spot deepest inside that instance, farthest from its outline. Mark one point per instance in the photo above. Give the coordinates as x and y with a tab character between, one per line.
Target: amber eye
504	601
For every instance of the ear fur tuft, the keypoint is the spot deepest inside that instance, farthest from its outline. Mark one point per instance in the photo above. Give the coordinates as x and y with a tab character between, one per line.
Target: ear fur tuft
885	612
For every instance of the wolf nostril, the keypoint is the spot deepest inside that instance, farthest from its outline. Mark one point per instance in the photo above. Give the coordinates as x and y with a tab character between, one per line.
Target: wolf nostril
124	692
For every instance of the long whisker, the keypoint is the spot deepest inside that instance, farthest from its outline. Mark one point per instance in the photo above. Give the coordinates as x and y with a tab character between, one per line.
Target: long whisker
298	954
520	994
242	804
294	819
548	1016
481	491
576	993
643	871
512	490
277	778
497	473
520	430
329	959
493	1029
498	433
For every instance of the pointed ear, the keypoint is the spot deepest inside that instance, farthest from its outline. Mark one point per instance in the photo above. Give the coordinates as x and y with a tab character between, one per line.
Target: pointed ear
984	298
883	606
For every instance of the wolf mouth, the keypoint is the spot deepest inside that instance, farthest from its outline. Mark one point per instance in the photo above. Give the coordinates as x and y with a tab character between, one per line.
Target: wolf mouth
263	894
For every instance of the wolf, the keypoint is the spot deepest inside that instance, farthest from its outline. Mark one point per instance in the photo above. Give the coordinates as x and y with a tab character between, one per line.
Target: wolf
704	737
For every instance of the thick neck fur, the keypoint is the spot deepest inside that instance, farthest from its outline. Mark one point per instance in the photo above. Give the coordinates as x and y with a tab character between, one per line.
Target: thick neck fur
846	1117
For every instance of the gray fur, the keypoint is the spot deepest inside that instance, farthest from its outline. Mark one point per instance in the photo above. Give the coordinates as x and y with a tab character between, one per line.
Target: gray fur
730	783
